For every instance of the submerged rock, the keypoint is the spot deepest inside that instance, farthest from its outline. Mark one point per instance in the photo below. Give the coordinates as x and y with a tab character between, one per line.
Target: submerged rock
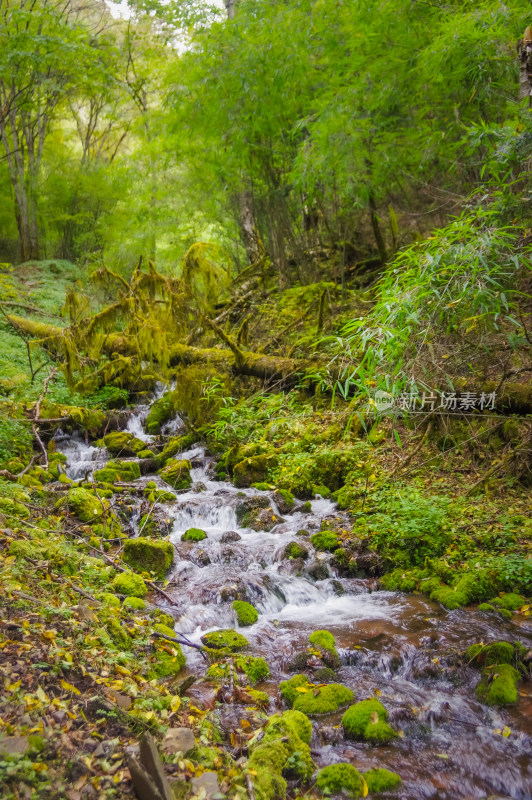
230	536
227	639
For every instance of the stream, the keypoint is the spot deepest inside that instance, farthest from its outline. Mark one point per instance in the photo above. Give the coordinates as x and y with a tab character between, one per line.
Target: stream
400	647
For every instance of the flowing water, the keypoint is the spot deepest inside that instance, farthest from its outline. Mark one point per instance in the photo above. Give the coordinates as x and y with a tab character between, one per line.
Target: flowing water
399	647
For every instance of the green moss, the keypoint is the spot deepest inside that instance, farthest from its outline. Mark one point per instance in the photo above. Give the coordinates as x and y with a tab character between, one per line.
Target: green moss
260	698
285	500
177	475
283	751
160	412
11	508
168	659
177	445
122	443
322	490
118	471
193	535
340	778
261	486
381	780
368	720
327	699
134	604
256	669
486	607
146	454
84	504
161	496
324	640
119	636
208	757
495	653
227	639
130	584
498	686
325	540
246	614
324	675
145	555
295	550
305	697
109	599
255	469
305	508
510	601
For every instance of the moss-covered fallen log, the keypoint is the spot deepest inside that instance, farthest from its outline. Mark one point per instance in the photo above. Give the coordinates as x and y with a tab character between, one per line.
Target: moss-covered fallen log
511	397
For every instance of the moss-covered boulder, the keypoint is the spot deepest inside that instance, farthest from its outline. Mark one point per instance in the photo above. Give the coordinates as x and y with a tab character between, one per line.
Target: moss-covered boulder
326	541
168	659
177	475
368	720
340	779
227	639
175	445
246	614
509	601
84	504
118	634
118	471
295	550
324	643
486	654
122	443
282	753
381	780
134	604
312	700
255	669
284	500
498	686
253	470
256	513
160	412
145	555
130	584
193	535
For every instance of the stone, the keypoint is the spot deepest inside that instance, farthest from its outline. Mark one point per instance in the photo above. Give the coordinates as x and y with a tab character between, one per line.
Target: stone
208	782
179	740
14	745
230	536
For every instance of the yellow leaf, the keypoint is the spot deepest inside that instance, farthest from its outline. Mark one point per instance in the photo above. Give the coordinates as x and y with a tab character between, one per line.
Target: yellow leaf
175	703
69	688
506	731
41	694
377	692
49	634
302	689
245	724
365	790
12	687
149	714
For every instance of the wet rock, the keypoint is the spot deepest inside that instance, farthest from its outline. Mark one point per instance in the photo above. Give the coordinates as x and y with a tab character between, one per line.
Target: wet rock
230	536
292	566
207	784
177	474
154	522
318	570
122	443
253	470
284	500
258	518
14	745
250	504
150	556
295	550
234	592
330	735
201	558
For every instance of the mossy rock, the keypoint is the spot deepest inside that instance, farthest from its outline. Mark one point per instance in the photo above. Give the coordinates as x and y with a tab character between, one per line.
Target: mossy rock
130	584
509	601
122	443
340	779
303	696
134	604
193	535
118	472
284	501
498	686
117	633
11	508
494	653
281	754
255	469
227	639
109	599
326	541
246	614
381	780
324	642
177	475
145	555
160	412
85	504
295	550
168	659
255	668
146	454
177	445
368	720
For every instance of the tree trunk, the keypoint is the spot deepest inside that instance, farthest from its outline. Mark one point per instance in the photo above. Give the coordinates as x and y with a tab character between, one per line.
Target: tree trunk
375	224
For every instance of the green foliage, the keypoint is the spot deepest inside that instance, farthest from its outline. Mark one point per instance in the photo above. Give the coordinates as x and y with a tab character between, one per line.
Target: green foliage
15	440
325	540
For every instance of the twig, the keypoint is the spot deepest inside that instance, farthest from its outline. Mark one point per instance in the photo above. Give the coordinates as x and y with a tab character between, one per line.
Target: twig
249	786
184	641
